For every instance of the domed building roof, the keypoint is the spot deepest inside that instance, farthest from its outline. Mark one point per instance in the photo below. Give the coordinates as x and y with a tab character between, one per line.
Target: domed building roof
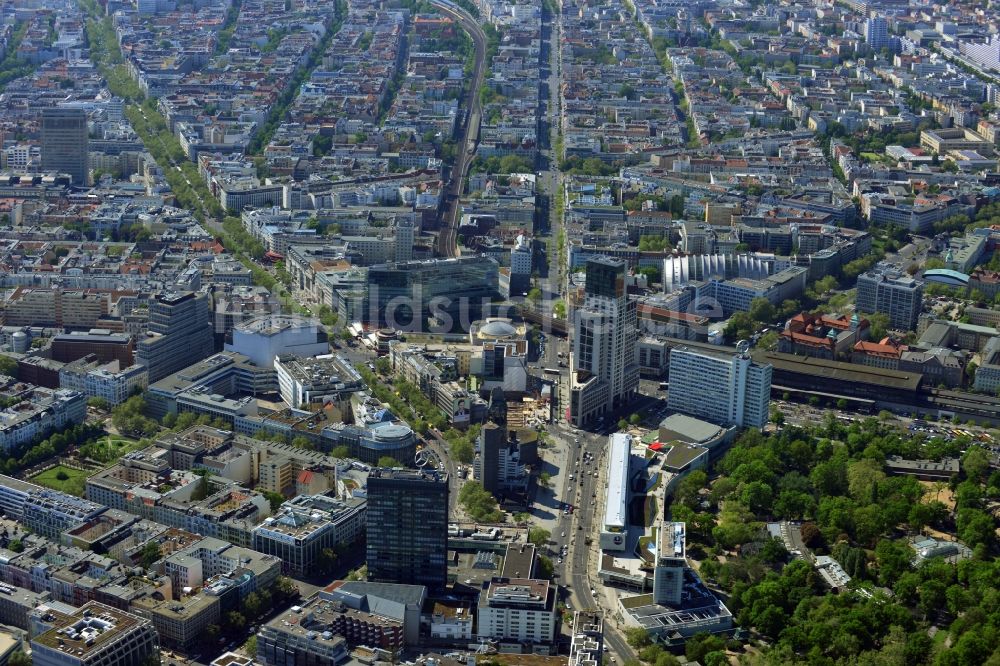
498	328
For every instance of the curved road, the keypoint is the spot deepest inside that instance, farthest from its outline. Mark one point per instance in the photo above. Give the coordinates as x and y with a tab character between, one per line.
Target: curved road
447	246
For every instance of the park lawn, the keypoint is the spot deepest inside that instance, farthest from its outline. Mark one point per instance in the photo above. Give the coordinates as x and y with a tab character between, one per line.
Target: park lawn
871	157
110	448
74	484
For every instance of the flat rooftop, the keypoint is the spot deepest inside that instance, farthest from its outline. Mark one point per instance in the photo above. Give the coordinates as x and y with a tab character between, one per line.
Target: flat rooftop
452	608
689	429
87	630
94	336
302	518
950	465
193	374
329	369
314	619
519	561
682	454
618	463
671	541
402	474
527	660
837	372
517	591
698	607
272	324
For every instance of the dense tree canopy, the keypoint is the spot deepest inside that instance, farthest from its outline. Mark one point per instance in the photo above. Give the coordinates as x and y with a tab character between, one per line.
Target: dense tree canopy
831	476
479	503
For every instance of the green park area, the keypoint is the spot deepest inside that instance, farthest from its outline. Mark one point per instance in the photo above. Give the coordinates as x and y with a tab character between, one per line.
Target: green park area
67	479
108	449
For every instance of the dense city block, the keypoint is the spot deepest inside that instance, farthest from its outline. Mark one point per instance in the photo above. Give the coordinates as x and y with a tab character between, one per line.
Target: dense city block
499	332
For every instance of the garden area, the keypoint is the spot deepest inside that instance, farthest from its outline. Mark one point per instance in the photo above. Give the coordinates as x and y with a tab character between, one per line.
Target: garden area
66	479
110	448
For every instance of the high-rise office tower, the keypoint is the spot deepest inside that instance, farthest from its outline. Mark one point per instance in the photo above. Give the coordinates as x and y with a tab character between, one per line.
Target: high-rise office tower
486	466
65	143
877	33
721	388
180	334
604	370
408	527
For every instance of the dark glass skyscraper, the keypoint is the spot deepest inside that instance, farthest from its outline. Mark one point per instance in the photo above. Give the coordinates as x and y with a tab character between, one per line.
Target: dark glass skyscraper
605	277
407	294
408	527
604	369
65	143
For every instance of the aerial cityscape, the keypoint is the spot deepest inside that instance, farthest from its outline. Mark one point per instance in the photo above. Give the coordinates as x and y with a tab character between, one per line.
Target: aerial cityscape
499	332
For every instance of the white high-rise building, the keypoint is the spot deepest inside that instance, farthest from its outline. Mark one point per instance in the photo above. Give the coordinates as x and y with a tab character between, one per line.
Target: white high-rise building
604	370
520	265
726	390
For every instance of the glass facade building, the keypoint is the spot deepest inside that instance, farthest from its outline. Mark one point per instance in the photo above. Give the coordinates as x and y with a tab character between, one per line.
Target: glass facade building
408	527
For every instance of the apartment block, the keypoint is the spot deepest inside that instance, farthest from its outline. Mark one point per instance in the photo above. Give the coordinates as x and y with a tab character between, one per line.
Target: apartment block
213	559
41	412
344	615
109	381
519	611
180	623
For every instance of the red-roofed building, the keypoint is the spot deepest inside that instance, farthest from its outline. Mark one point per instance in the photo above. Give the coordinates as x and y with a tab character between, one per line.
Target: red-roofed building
822	336
883	354
315	481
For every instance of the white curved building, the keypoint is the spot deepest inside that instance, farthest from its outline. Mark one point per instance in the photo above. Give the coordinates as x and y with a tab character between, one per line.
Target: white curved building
264	338
679	270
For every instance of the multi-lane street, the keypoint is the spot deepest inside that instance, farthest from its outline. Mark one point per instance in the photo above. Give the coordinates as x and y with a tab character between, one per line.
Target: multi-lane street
581	485
549	183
